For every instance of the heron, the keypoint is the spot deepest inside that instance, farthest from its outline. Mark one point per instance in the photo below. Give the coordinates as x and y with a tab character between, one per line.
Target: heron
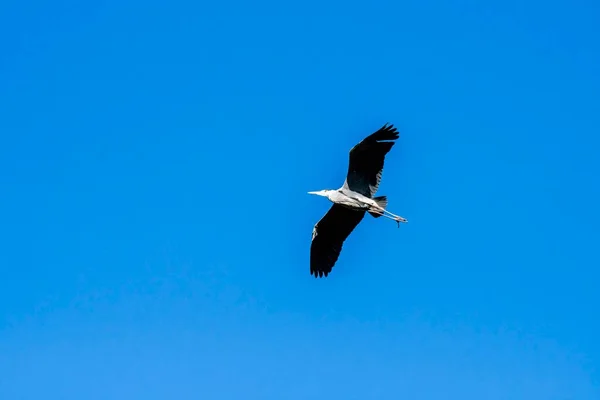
353	200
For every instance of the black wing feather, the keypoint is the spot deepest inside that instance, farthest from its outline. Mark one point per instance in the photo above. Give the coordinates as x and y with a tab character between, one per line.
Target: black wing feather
367	159
329	235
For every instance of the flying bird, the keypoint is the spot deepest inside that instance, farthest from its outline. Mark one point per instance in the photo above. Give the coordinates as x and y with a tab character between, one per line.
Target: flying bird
352	200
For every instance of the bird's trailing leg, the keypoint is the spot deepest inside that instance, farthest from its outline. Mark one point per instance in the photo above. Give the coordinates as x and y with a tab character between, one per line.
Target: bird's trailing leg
393	217
396	217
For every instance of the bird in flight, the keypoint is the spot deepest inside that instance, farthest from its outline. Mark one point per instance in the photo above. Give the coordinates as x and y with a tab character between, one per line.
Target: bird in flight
352	200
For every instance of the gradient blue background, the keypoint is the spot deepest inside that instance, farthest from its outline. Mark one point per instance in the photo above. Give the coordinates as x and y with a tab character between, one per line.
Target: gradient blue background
155	225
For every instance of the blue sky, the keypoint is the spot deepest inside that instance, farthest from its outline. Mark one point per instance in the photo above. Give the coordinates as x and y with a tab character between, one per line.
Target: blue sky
155	225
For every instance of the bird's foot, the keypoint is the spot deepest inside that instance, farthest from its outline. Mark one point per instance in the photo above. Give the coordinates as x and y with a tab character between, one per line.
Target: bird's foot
400	219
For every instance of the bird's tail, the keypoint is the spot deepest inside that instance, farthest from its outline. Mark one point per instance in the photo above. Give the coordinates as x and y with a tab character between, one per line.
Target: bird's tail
381	202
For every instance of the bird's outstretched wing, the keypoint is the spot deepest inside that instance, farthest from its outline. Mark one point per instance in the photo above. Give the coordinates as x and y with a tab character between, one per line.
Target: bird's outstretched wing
366	161
328	238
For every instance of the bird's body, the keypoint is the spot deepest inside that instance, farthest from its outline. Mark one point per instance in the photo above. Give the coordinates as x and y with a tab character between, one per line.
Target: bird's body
352	200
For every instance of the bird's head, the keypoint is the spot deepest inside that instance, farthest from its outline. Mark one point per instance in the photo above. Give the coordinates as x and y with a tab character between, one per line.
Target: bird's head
323	193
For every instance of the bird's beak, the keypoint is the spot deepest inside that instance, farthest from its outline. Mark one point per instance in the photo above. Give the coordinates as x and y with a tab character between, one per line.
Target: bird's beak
313	192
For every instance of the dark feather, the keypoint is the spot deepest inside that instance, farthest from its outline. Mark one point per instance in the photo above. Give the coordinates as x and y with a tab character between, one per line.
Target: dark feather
329	235
367	159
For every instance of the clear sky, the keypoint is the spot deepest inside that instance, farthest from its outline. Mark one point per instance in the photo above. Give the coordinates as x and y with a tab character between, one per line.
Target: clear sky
155	225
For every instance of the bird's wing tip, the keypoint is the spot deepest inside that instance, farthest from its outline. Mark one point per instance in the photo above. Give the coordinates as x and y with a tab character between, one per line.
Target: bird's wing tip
319	273
389	129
